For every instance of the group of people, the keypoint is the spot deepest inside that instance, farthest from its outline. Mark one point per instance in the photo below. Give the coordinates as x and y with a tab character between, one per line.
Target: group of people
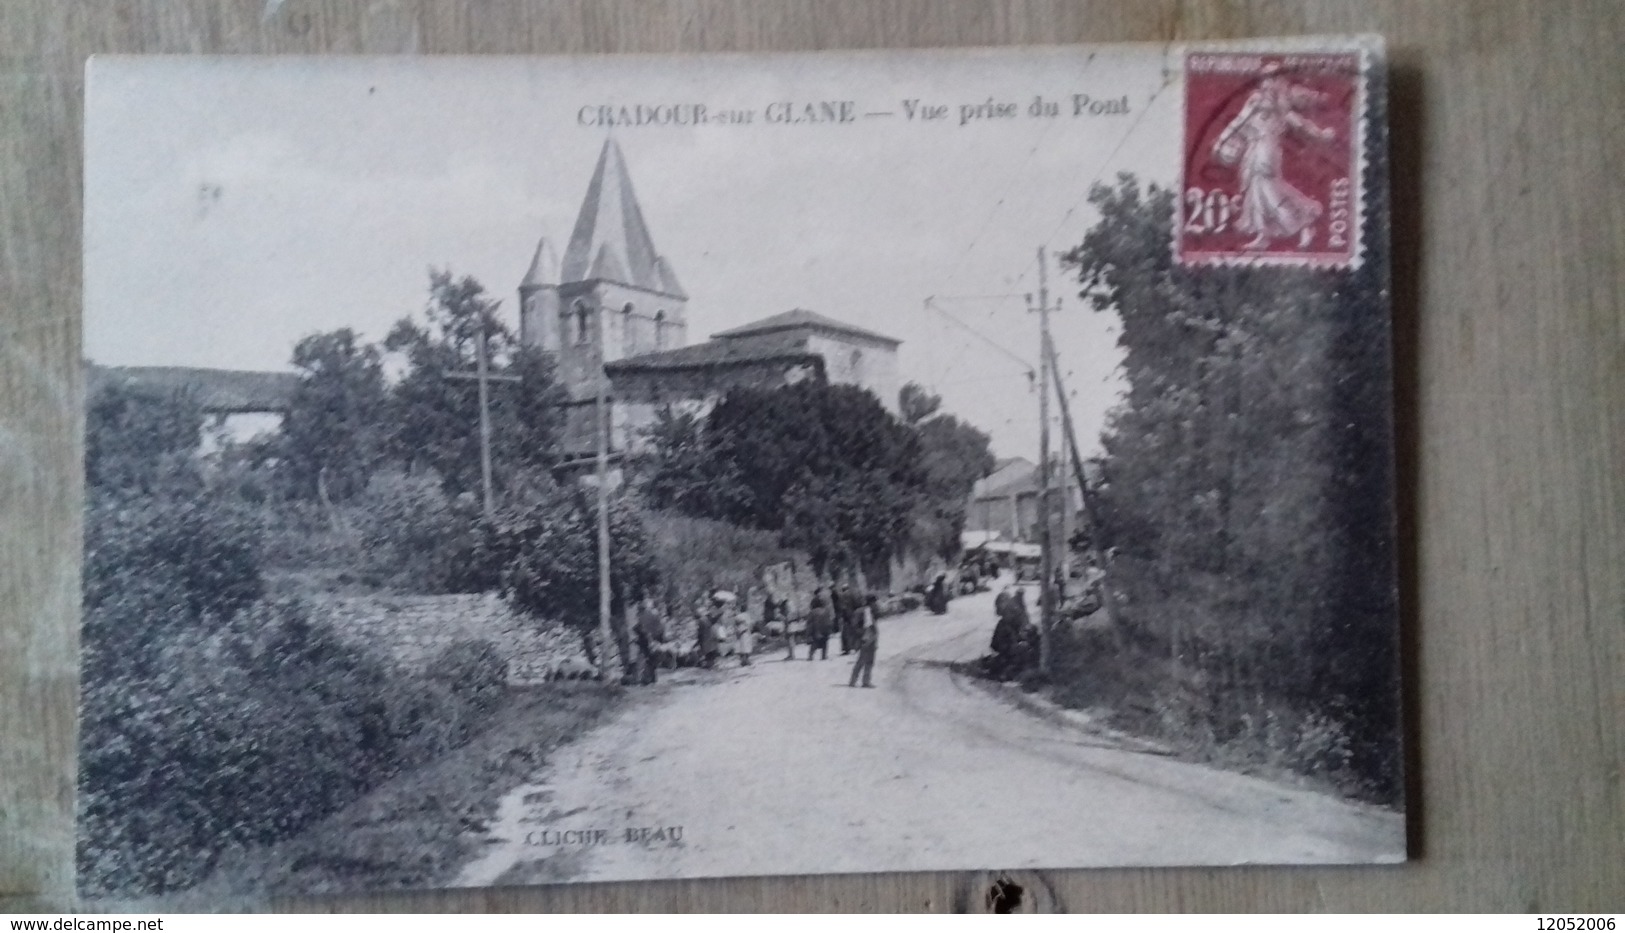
853	616
725	629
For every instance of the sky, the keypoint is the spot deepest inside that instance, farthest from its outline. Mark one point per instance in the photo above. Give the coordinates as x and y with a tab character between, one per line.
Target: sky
235	205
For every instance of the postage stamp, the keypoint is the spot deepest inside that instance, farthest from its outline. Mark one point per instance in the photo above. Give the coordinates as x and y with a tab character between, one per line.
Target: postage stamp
1271	166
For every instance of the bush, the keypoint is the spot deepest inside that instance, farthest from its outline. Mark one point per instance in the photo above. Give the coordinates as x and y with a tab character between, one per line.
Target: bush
473	671
247	733
698	555
158	565
415	538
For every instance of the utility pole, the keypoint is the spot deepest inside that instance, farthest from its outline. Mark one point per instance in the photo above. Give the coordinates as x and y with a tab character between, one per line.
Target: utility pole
1108	603
1046	572
482	374
605	636
1064	538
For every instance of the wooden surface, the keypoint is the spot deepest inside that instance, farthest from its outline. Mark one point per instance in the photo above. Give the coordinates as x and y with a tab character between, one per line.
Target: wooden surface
1510	264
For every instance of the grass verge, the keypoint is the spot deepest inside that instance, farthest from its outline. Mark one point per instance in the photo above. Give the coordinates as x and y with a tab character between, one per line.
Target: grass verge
417	829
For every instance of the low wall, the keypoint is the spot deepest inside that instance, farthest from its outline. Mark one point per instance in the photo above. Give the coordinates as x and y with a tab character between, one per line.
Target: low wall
413	629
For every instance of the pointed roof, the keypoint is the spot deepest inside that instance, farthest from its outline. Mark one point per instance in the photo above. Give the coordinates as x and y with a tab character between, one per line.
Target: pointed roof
802	319
610	239
668	278
544	266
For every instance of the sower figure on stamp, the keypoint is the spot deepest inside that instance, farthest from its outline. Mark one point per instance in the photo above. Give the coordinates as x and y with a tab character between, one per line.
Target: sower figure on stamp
868	644
1271	208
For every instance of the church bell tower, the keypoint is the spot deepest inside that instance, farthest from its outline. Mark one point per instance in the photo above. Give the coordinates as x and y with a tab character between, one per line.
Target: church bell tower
610	296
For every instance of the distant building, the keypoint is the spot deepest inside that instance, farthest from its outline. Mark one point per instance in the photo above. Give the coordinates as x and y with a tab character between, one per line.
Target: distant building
1006	501
614	315
237	404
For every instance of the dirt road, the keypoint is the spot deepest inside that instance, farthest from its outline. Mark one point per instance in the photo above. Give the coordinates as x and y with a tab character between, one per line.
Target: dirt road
781	768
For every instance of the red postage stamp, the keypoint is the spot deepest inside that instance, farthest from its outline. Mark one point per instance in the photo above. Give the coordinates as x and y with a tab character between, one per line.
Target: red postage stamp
1272	158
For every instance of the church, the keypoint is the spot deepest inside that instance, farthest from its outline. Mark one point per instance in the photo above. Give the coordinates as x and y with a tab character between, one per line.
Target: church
612	312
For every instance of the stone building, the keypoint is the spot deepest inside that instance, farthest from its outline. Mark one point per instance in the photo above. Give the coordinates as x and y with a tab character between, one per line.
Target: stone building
1005	502
612	312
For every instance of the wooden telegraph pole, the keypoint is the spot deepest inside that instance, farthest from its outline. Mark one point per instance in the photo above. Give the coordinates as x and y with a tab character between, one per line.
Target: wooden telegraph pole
484	377
605	636
1046	572
1063	538
1108	603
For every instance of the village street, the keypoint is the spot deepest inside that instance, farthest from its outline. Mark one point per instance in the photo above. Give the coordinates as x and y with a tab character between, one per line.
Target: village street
780	767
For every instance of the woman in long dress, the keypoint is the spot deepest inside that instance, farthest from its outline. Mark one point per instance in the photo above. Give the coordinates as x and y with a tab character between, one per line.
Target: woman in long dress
1271	208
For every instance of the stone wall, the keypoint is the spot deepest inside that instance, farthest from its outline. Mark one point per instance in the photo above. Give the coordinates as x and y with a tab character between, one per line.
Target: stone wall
413	629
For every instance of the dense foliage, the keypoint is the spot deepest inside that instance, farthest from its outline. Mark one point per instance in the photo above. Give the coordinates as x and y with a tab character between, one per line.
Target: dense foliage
213	715
1247	483
824	466
549	554
695	556
954	455
434	416
413	537
142	440
334	432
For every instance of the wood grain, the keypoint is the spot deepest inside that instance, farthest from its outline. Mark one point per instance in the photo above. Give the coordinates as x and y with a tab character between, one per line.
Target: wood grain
1510	264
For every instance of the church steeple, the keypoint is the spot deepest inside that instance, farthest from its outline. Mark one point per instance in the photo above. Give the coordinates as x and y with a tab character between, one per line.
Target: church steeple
612	296
611	241
544	266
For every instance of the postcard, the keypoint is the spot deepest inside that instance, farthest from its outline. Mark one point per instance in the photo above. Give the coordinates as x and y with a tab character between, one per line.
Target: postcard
544	470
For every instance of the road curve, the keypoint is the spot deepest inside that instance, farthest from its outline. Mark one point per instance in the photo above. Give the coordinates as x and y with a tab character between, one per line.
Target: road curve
780	768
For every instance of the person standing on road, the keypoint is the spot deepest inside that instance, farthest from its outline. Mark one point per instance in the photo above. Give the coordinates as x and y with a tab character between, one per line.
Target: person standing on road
936	599
868	644
744	636
650	632
847	607
820	621
709	636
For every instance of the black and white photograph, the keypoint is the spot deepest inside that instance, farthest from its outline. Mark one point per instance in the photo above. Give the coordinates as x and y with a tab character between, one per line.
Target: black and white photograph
508	471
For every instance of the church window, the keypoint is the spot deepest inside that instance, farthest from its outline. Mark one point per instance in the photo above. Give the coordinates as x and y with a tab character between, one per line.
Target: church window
583	323
629	333
857	365
660	330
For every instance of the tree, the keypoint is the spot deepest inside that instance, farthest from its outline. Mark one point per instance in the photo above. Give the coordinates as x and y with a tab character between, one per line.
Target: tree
915	404
549	551
333	434
954	456
827	467
436	419
1246	470
142	440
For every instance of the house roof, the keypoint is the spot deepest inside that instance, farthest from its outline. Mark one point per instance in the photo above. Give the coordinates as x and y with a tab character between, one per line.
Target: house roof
802	319
218	391
611	240
1020	478
1011	475
712	353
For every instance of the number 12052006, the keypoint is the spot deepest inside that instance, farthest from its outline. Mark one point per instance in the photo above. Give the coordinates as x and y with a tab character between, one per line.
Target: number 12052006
1574	923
